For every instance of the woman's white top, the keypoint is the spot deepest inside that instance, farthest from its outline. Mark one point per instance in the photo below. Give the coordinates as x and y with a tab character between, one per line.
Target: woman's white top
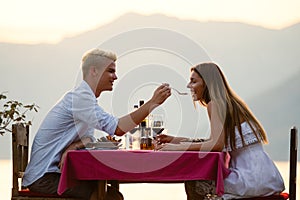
253	173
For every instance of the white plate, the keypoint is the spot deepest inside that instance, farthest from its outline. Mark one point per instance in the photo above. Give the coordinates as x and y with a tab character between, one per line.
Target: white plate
103	145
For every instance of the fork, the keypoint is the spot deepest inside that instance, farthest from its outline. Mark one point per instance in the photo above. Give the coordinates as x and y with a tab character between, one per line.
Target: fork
178	92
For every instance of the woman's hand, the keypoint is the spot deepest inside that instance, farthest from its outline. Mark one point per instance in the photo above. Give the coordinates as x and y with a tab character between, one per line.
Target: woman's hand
162	138
172	147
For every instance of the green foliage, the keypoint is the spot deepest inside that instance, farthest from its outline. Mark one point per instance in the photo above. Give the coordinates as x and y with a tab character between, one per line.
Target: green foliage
14	112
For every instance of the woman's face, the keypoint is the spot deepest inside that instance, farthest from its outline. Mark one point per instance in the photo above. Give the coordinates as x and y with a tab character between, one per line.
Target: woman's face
196	85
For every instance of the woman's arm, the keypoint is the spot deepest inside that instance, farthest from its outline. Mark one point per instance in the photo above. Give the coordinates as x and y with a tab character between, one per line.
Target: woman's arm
162	138
214	143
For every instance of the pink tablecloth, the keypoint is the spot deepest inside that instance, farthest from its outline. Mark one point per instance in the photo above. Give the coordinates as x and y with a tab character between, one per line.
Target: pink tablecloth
143	166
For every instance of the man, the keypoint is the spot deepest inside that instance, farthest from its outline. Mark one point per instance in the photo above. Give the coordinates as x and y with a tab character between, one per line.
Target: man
70	124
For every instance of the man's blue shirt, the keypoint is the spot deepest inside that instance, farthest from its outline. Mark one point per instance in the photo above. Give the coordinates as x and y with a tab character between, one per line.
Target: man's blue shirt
75	116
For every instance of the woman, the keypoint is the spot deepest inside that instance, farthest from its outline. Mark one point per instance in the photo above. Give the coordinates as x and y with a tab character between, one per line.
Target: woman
233	129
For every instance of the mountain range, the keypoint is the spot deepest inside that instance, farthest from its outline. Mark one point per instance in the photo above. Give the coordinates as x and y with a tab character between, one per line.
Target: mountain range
261	65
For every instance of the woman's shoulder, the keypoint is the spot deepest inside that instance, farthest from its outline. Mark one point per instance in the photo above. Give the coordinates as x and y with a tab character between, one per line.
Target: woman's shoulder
245	127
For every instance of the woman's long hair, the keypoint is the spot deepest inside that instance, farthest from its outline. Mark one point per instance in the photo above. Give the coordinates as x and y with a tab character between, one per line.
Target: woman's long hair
230	107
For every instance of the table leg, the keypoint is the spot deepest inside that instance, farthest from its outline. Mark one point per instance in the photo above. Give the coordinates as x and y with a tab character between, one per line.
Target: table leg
102	188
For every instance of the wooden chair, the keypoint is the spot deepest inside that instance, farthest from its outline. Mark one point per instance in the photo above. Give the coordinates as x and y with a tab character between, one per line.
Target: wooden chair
20	138
293	172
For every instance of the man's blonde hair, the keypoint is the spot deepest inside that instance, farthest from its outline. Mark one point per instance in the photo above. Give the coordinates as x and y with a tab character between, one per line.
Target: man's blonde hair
96	57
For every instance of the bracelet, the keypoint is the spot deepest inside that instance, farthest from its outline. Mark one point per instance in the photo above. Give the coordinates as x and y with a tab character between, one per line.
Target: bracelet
194	140
198	140
189	140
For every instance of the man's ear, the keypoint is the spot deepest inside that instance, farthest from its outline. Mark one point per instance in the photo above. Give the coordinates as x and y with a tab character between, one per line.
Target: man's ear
94	71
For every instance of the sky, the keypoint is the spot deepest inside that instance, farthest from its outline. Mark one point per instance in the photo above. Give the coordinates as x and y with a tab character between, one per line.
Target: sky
45	21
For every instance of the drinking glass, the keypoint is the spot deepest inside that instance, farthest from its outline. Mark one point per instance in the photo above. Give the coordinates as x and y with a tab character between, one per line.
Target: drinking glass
156	123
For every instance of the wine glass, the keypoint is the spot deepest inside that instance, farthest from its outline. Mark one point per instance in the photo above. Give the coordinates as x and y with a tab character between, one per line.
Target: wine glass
156	123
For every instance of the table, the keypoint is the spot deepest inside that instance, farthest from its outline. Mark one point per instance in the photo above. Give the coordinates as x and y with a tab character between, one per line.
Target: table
142	166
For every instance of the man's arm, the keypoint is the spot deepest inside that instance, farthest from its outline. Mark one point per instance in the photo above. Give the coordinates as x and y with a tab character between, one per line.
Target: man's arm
74	146
128	122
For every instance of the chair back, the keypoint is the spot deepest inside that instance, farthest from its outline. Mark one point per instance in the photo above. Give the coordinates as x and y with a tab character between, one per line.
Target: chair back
20	143
293	163
20	136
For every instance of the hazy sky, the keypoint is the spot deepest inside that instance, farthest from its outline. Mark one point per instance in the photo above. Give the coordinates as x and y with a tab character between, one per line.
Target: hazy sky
34	21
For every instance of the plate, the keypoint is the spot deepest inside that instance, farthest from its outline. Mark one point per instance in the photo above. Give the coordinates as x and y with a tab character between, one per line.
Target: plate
103	145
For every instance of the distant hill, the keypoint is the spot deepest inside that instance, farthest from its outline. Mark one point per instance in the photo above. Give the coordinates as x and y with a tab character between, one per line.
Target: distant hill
278	111
262	66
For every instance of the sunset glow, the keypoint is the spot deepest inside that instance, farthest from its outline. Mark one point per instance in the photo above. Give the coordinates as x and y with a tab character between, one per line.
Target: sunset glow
35	21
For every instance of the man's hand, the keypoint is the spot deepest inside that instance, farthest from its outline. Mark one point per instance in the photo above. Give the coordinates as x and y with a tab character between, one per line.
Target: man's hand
62	159
128	122
161	94
73	146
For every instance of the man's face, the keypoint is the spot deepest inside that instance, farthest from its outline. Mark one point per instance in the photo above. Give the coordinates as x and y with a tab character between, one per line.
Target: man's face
107	79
